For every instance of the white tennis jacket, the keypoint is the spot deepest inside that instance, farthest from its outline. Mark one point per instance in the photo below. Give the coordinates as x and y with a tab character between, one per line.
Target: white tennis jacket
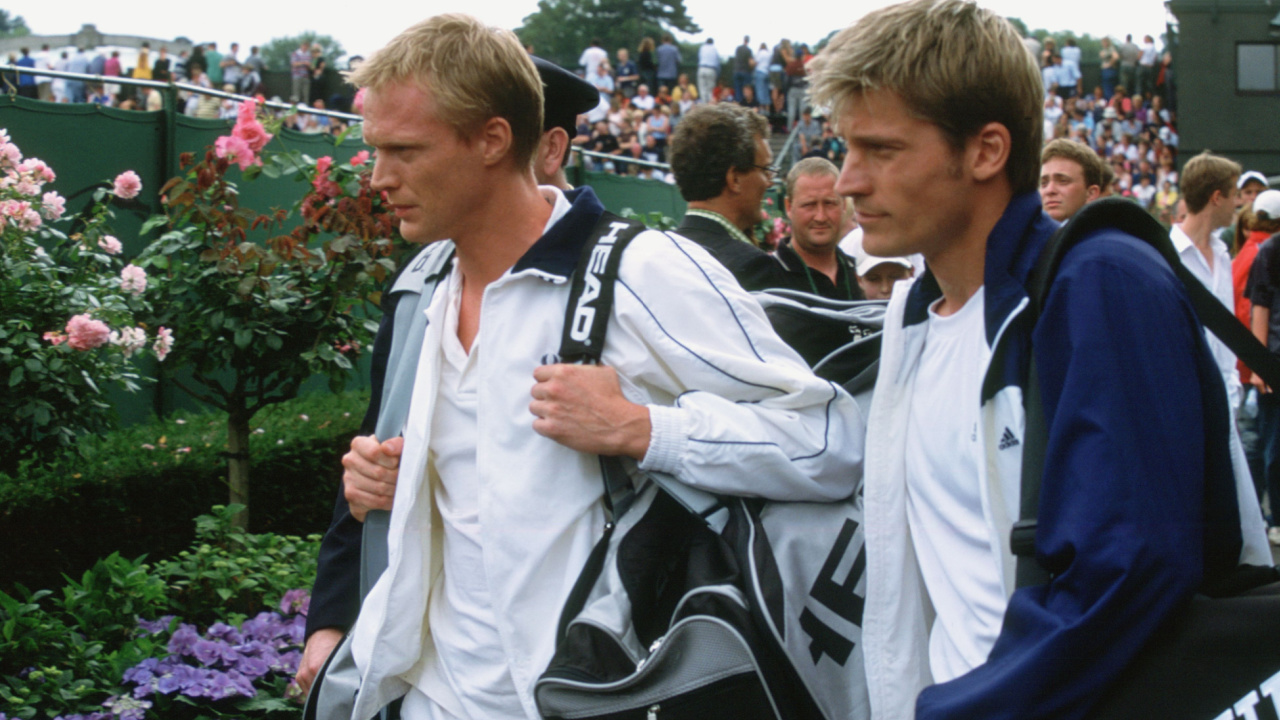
733	410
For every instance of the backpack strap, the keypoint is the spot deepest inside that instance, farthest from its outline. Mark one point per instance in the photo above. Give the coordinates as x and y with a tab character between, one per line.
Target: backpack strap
586	321
1127	217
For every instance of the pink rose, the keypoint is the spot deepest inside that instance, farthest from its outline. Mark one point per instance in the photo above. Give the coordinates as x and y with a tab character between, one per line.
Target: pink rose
322	184
37	169
29	219
10	154
110	244
248	128
133	279
163	343
54	205
56	338
234	149
253	134
130	340
85	333
248	112
127	185
360	158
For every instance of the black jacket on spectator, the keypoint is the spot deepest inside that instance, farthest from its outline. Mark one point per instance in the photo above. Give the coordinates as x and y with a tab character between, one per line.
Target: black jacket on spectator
754	268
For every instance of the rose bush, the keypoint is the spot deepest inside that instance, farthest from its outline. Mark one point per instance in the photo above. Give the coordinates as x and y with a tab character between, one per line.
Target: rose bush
258	314
68	310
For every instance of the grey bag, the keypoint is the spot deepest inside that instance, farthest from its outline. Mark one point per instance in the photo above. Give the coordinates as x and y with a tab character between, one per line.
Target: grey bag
694	605
333	692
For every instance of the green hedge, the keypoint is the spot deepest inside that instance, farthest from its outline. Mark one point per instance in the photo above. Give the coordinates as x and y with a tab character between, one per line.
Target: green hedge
136	491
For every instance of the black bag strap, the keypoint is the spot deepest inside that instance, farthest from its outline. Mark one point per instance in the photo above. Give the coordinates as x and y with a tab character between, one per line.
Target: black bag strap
1127	217
586	320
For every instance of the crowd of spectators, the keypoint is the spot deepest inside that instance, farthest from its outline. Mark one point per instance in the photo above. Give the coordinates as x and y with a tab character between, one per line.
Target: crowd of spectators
643	100
1129	119
313	83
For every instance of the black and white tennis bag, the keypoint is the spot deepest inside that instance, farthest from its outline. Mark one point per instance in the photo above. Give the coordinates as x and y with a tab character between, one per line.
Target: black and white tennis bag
694	605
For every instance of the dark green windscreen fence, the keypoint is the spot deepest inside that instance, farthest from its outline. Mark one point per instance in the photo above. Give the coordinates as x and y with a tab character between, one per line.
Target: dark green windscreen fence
88	145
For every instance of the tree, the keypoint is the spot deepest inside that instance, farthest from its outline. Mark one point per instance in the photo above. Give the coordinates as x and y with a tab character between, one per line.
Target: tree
259	318
276	52
561	29
12	25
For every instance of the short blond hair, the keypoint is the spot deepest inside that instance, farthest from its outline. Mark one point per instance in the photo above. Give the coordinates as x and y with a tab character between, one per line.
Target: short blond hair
954	64
474	72
810	167
1205	173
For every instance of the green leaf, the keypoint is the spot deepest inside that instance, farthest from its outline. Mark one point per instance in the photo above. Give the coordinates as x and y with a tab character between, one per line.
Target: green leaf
33	365
271	171
274	342
244	337
278	305
15	377
152	223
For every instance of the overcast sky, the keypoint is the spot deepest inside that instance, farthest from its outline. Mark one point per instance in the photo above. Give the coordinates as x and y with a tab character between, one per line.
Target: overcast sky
254	23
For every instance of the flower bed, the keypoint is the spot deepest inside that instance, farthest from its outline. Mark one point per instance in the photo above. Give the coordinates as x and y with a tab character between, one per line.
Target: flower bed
125	641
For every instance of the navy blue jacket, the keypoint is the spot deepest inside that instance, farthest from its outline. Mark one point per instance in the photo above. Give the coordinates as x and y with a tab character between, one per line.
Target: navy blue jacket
1138	504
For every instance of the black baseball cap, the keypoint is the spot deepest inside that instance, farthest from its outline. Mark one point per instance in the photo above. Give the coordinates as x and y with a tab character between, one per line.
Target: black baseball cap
564	97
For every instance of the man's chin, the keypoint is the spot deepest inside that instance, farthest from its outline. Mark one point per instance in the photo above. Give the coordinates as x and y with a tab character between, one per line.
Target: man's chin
881	244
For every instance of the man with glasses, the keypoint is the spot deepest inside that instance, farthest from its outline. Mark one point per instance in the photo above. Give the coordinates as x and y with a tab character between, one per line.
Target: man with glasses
722	164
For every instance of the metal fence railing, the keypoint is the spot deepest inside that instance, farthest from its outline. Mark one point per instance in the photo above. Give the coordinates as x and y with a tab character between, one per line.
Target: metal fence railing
173	86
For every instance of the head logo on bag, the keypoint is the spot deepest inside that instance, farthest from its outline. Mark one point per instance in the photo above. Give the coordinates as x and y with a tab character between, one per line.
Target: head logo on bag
584	313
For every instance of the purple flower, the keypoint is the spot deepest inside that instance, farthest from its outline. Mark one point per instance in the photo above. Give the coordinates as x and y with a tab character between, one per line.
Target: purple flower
253	666
223	631
183	640
198	681
143	672
153	627
127	708
295	601
179	678
213	652
220	685
297	631
288	662
254	648
260	627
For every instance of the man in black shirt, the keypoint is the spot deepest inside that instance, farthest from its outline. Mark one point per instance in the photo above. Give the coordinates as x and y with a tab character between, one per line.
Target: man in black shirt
812	258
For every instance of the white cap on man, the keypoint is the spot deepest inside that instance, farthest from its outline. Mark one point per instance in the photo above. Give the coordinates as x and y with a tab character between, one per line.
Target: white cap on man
1267	205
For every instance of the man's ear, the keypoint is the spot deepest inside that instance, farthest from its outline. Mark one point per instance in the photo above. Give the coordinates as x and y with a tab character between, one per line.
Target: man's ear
551	152
733	180
988	151
1091	193
495	140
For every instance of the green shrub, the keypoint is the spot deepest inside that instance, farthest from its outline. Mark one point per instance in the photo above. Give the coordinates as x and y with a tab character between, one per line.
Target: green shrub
136	490
67	652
